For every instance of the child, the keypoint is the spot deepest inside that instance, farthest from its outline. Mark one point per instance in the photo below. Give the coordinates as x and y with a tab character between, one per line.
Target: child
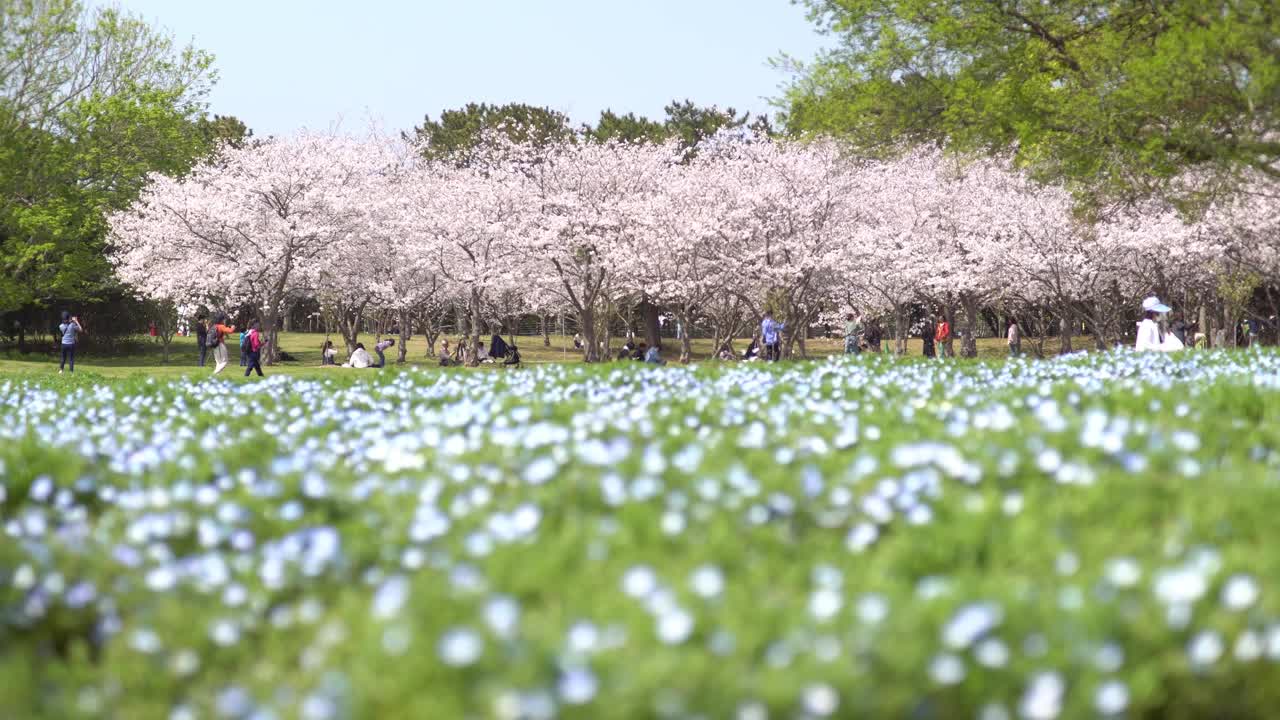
380	348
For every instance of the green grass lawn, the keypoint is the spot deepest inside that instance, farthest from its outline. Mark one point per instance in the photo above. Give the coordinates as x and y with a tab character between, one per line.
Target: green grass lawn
305	347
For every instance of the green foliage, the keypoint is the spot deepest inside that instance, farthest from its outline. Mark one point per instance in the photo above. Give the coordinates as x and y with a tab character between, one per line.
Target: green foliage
458	132
226	129
1121	93
95	100
627	128
694	123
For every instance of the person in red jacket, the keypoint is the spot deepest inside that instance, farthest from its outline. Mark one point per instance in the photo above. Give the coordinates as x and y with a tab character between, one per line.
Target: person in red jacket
256	341
943	336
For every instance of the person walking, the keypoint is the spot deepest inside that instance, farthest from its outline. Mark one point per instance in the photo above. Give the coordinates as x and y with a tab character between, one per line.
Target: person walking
852	335
771	334
71	330
943	337
217	339
1014	338
253	350
202	338
927	335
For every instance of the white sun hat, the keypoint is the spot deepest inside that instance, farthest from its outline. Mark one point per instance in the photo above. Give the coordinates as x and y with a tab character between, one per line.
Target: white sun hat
1153	304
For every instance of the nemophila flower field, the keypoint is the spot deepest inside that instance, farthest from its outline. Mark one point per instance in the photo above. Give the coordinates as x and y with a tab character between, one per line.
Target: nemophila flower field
1084	537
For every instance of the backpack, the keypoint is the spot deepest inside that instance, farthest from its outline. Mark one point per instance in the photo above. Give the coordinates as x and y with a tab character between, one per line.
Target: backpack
213	338
246	342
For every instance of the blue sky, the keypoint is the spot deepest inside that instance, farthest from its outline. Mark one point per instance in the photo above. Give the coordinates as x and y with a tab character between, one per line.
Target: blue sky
286	64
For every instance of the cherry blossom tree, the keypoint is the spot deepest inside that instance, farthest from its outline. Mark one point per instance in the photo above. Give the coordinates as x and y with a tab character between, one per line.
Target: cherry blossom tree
254	224
466	222
590	197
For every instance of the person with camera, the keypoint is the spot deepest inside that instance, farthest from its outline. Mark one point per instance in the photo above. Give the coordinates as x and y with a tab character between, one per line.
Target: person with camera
71	330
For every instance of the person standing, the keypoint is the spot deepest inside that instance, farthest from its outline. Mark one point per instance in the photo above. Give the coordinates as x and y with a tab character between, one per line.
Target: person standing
217	340
380	348
943	336
253	350
1014	338
71	330
852	335
873	335
771	333
202	338
927	335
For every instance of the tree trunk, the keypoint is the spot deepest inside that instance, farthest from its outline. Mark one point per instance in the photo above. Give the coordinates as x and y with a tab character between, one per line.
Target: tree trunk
1042	332
650	322
686	345
477	323
546	331
403	319
587	326
969	345
272	323
1065	326
606	330
900	329
1204	325
431	331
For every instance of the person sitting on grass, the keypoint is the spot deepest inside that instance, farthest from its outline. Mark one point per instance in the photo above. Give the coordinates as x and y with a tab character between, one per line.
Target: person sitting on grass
639	354
359	358
381	348
482	354
753	351
653	356
446	358
328	354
